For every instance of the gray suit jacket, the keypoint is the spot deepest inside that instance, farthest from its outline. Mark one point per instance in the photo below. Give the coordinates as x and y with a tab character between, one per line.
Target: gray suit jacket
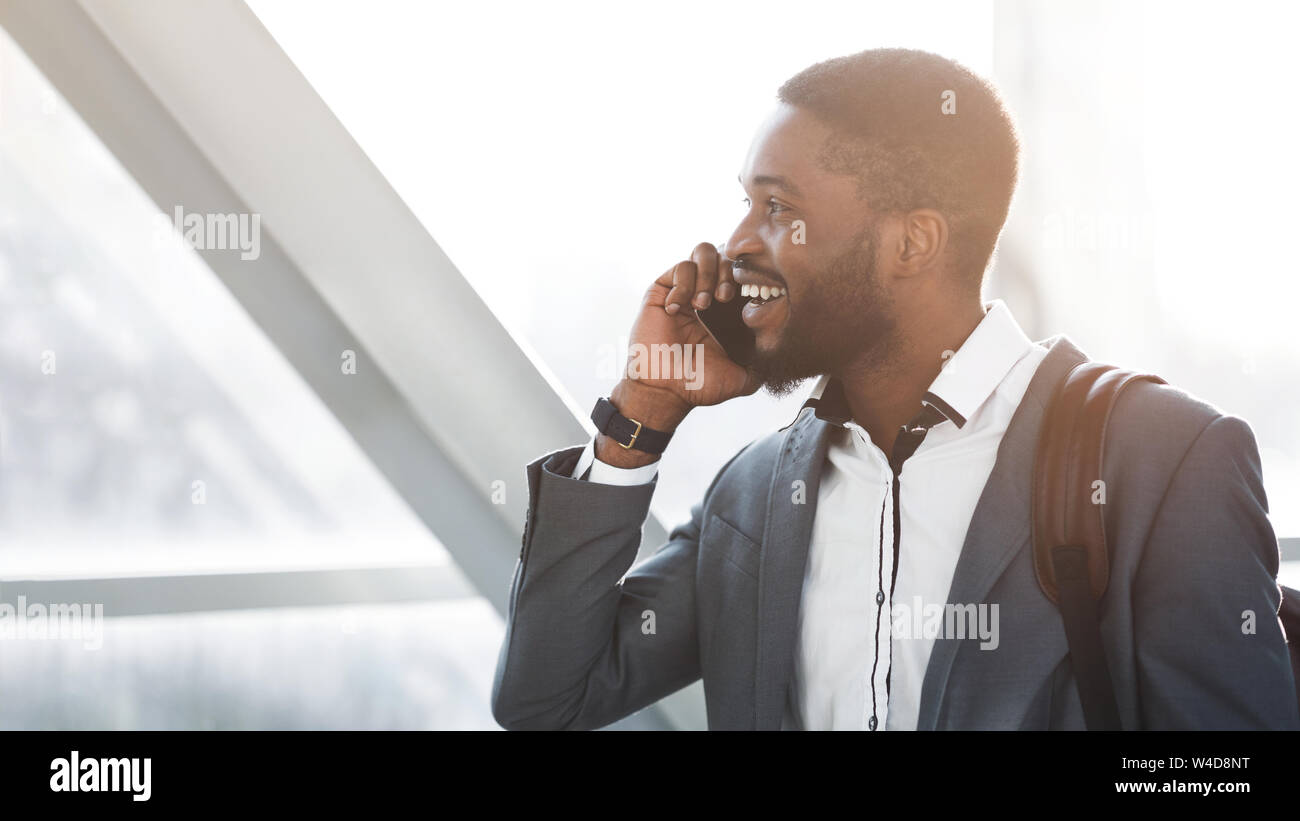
1191	546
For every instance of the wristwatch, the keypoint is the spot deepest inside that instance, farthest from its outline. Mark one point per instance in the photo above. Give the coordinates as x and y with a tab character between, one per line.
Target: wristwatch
628	433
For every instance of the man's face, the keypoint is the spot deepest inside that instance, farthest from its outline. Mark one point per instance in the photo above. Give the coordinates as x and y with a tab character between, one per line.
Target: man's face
807	231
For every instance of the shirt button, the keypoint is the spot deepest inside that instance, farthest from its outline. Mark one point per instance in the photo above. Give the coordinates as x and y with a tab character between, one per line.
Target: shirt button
880	597
871	725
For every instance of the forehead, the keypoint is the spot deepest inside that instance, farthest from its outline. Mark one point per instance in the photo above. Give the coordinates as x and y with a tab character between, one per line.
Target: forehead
787	145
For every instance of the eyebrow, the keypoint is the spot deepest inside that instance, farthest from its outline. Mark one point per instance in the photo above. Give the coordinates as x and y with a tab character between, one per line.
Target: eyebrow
779	182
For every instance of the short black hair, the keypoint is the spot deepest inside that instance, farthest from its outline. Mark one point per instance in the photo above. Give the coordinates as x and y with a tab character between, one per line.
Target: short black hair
912	144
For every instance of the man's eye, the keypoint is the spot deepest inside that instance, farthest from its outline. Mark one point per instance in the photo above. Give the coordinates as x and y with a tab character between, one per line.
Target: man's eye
773	207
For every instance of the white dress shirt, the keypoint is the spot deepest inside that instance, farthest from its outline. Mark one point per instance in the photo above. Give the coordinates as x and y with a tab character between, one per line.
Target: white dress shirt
851	595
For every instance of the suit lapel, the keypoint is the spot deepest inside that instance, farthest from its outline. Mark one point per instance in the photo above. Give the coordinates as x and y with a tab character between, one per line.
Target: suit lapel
1000	526
784	555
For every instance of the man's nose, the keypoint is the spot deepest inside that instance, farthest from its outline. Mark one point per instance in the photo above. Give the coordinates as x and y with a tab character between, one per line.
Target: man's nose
742	241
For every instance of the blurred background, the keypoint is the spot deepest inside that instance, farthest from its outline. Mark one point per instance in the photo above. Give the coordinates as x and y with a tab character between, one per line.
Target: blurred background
470	199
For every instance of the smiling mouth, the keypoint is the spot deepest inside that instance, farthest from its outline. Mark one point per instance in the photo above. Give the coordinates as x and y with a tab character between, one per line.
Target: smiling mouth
762	294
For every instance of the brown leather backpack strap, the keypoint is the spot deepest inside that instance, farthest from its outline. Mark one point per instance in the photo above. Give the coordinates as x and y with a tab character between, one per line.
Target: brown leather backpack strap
1068	463
1052	474
1071	559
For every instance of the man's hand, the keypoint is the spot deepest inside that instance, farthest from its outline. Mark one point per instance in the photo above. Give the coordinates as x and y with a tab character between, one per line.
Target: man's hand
674	365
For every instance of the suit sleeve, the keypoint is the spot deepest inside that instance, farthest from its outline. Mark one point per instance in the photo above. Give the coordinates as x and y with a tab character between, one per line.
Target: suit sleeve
583	649
1210	650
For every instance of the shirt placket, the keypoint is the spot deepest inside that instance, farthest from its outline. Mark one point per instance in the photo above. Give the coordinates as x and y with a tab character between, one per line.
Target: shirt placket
906	443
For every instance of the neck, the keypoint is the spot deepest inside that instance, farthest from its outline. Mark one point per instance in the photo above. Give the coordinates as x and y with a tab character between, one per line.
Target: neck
884	389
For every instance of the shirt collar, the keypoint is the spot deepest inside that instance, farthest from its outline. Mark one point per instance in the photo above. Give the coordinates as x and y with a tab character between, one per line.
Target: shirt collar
968	378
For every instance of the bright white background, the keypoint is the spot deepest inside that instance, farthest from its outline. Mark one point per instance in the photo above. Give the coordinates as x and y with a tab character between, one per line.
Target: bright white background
566	154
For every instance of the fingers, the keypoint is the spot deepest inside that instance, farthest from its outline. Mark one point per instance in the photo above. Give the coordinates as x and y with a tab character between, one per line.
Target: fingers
726	289
683	290
705	257
695	282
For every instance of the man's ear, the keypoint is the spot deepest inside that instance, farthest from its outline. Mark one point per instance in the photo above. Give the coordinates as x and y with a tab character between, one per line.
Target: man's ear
924	238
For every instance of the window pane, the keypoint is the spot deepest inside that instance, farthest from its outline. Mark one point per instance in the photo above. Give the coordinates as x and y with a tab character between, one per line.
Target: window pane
394	666
146	423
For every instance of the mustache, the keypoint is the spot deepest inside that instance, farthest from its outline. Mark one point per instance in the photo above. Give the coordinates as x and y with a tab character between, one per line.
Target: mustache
745	264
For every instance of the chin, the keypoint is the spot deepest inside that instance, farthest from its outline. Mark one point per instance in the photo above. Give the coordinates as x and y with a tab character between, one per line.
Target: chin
782	388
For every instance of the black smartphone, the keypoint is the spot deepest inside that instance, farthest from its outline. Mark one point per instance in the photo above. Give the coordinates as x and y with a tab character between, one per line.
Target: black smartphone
722	319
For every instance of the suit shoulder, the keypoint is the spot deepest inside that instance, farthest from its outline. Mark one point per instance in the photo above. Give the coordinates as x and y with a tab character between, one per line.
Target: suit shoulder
1155	428
1150	414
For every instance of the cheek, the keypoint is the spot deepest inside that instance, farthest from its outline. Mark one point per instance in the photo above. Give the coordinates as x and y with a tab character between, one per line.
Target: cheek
784	235
800	265
790	248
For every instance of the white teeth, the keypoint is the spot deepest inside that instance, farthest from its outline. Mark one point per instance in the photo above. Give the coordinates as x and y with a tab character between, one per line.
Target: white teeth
761	291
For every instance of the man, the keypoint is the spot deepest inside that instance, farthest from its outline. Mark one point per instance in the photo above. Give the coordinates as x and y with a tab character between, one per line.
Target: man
804	589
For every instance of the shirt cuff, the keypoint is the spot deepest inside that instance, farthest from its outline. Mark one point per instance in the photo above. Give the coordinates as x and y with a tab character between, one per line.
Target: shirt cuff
605	474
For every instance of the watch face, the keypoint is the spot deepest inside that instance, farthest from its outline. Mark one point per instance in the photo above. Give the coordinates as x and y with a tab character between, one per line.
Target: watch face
723	322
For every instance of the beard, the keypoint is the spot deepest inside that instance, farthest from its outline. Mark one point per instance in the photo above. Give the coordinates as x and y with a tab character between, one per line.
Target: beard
842	317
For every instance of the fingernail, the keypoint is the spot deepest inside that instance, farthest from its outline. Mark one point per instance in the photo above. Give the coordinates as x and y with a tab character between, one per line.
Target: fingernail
702	300
726	291
671	307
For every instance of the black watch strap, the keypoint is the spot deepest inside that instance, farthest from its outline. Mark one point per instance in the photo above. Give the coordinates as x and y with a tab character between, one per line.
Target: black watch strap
628	433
